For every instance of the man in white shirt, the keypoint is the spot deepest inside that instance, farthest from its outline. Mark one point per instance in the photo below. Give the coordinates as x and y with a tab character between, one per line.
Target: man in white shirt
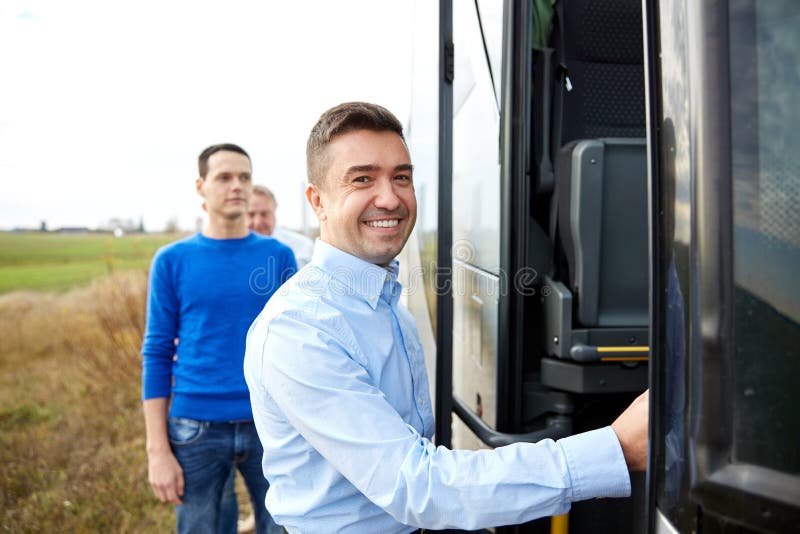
338	383
261	219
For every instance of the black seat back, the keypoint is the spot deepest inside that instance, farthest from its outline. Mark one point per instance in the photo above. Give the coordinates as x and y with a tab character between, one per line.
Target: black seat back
599	73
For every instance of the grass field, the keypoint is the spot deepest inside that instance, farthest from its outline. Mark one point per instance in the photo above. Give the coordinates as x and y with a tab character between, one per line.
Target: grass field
56	262
72	456
72	447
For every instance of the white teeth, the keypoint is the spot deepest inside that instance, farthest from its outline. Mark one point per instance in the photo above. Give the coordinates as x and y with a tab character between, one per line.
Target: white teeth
383	224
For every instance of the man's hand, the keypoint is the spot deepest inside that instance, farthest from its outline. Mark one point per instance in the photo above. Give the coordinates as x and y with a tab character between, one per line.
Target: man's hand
165	476
631	429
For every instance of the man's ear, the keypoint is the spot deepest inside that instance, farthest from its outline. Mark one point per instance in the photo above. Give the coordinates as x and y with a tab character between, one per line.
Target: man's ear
198	185
314	195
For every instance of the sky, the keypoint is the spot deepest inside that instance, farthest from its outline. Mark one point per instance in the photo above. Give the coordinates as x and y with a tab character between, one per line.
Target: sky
104	106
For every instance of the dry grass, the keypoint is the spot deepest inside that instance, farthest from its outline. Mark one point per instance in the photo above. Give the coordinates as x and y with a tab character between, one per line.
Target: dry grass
71	432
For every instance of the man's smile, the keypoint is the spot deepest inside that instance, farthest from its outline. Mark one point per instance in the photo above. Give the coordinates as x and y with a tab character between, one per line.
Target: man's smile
383	223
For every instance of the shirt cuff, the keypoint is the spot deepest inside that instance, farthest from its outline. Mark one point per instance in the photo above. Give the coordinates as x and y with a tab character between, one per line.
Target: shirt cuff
596	465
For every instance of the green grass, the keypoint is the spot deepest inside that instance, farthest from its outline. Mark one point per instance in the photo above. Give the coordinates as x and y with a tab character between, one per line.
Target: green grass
72	439
56	262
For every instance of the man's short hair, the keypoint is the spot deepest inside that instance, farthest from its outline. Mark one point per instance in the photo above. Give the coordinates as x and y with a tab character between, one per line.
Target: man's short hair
202	159
341	119
265	191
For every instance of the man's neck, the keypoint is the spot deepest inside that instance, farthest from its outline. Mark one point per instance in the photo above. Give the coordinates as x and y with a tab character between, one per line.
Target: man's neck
220	228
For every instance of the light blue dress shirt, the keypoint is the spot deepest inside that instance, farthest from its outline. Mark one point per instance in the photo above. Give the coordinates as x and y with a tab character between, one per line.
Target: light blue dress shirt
340	400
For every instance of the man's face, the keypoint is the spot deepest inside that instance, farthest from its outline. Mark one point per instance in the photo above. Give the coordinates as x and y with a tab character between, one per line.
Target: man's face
261	215
226	187
366	203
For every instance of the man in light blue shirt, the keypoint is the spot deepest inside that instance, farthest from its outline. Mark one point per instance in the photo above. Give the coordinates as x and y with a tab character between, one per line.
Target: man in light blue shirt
338	383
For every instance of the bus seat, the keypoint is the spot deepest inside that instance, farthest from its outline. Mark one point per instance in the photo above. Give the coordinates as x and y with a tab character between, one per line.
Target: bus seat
603	230
597	310
589	82
600	71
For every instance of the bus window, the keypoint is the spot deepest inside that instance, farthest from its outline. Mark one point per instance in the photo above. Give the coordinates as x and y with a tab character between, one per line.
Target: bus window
476	210
765	52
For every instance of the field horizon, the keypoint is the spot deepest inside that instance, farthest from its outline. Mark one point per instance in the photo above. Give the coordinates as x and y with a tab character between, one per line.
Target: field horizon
51	261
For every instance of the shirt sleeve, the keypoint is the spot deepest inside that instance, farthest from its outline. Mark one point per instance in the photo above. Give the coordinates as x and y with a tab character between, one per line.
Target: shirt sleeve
312	370
158	346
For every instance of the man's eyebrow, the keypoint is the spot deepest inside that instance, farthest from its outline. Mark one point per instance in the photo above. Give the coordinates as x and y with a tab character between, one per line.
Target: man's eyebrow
360	168
355	169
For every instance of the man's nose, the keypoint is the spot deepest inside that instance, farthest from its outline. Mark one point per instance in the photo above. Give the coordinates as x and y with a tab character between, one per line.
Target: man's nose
386	196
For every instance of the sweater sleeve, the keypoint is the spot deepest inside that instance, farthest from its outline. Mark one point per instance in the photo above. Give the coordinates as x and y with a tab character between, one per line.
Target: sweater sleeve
289	265
158	347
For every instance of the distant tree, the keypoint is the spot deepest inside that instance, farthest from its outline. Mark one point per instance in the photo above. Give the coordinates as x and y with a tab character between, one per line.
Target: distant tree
43	226
118	223
172	225
141	225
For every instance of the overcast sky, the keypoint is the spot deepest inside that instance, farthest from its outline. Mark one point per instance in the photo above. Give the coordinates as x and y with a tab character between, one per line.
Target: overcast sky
104	106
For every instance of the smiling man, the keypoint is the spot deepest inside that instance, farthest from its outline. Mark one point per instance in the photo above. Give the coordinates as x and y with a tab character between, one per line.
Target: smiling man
205	291
366	203
338	382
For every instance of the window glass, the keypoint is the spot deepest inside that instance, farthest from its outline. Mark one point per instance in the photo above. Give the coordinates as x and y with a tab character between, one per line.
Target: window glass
422	135
476	133
476	211
765	86
491	13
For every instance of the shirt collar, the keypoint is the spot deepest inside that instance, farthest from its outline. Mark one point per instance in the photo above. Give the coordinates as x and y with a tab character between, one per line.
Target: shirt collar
364	279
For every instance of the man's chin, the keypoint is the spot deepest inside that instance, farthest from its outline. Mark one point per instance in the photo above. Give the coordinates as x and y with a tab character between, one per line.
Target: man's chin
234	215
382	256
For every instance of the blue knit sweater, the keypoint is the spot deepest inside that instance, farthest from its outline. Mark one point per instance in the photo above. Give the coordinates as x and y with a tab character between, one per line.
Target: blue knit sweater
206	293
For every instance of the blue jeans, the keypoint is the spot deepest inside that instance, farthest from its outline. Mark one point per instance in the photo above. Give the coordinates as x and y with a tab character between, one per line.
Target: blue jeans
229	507
207	451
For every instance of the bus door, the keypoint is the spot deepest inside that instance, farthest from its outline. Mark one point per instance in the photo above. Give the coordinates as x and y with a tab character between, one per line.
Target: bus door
543	222
723	84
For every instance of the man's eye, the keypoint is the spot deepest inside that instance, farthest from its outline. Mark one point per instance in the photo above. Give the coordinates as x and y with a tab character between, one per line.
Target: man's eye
403	177
362	179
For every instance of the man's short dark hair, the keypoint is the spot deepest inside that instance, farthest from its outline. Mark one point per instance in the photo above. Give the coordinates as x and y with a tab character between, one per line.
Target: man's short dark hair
202	159
341	119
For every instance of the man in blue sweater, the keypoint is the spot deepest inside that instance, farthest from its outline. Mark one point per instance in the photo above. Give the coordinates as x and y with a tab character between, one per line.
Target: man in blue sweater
205	290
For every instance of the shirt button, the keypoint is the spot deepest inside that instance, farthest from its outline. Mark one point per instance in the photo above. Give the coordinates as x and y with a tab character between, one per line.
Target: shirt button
421	401
372	299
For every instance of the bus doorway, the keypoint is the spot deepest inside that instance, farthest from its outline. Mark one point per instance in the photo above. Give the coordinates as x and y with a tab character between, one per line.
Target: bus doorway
617	210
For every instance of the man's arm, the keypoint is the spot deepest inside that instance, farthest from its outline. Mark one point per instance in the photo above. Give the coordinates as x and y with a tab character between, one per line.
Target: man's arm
158	350
330	398
163	471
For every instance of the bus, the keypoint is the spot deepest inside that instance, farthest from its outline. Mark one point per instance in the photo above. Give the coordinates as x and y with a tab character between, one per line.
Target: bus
615	207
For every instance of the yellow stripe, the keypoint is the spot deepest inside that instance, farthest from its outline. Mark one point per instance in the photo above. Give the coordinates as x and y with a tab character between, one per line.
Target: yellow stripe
559	524
623	349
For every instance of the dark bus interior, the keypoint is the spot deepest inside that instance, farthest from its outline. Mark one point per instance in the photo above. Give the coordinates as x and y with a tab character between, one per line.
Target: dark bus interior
607	198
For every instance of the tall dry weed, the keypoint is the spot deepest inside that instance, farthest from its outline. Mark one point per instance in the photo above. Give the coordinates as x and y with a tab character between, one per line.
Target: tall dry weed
71	432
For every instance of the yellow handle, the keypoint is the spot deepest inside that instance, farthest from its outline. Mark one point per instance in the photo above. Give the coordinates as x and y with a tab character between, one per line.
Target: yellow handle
617	350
